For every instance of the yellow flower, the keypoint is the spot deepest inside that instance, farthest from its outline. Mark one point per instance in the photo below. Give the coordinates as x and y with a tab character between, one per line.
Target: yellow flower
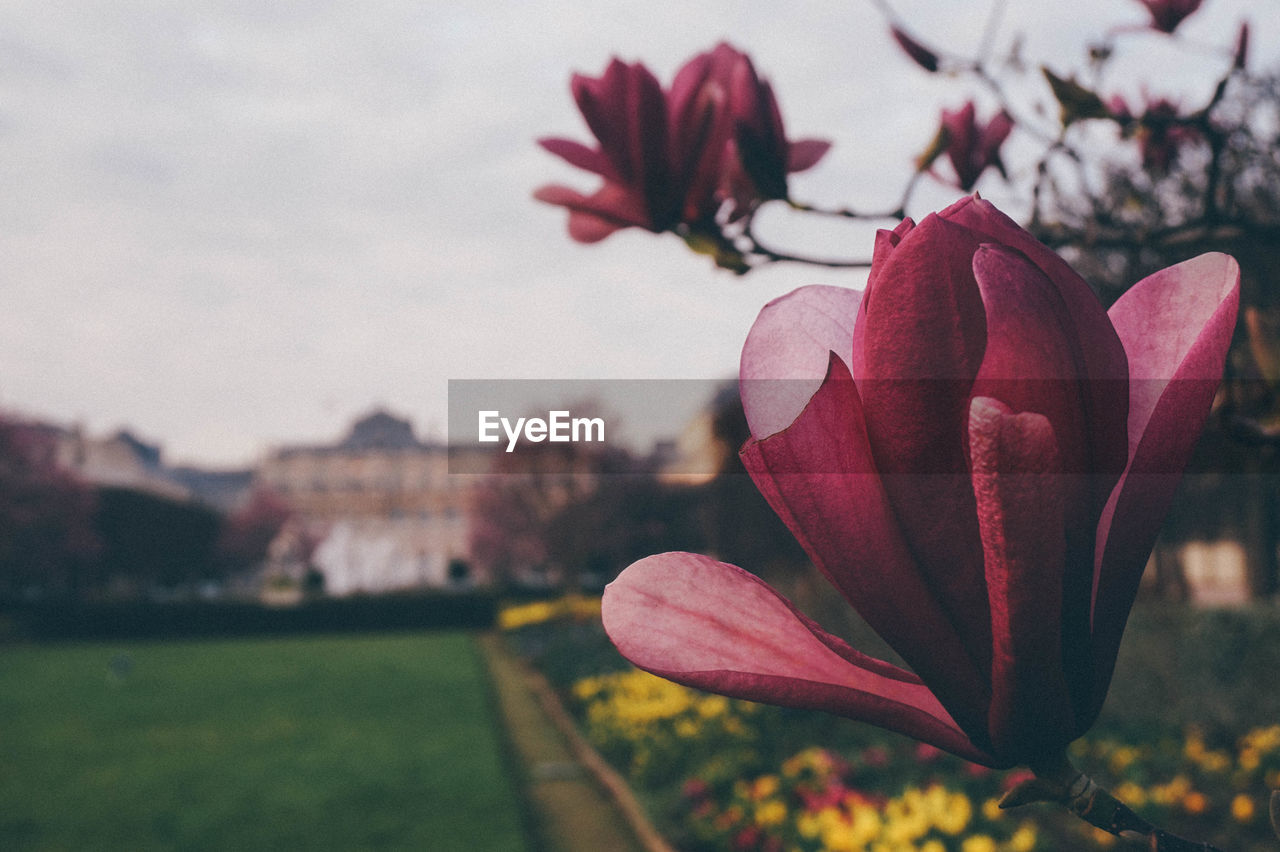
1024	839
809	825
1195	802
764	787
686	729
1169	794
991	810
771	812
1194	747
713	706
934	845
956	814
1242	808
978	843
1131	794
1215	761
1122	758
1263	739
1249	758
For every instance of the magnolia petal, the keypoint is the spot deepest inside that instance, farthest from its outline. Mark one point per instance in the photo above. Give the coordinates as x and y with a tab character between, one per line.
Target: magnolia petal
594	217
698	120
588	228
805	153
1031	364
1176	326
1021	516
648	146
993	136
599	101
886	241
785	357
1102	362
820	478
713	626
922	334
689	84
577	154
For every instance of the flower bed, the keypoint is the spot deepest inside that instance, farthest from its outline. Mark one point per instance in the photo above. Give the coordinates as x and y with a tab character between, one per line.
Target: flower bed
722	774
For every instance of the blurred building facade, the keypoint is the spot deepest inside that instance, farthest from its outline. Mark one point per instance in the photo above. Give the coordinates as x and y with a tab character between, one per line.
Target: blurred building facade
382	505
121	460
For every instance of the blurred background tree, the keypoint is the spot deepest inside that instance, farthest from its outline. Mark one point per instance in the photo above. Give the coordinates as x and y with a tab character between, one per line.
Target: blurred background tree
48	545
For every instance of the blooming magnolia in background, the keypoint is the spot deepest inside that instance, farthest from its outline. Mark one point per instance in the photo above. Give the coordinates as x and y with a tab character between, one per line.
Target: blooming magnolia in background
761	155
973	148
1160	130
653	152
978	456
1167	14
670	159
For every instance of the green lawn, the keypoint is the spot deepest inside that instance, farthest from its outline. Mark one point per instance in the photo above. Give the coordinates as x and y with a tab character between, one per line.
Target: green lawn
384	742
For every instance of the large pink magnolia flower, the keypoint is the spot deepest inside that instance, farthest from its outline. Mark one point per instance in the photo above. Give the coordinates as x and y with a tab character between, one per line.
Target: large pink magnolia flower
978	456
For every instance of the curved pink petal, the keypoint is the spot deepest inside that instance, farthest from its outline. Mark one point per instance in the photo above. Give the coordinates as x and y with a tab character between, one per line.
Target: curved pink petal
699	125
922	334
713	626
1176	326
785	357
588	228
886	241
993	136
577	154
1031	365
594	217
1021	517
600	102
820	478
805	153
1101	356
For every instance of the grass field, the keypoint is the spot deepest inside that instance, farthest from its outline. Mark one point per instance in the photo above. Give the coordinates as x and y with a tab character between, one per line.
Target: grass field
348	743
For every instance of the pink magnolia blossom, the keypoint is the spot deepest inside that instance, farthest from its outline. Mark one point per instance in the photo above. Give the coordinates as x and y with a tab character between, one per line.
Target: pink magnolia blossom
670	159
762	156
1160	131
658	153
978	457
1167	14
971	147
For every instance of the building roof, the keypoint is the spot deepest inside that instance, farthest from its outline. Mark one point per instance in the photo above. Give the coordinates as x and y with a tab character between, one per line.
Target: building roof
380	431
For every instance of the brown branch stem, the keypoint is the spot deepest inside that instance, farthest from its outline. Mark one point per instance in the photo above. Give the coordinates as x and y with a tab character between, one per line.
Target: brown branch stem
1063	784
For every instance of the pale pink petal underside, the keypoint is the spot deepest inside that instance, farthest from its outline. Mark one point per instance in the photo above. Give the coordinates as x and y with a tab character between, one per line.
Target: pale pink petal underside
785	357
713	626
1176	326
819	476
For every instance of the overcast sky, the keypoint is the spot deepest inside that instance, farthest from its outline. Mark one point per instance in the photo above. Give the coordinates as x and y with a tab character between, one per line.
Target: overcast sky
235	225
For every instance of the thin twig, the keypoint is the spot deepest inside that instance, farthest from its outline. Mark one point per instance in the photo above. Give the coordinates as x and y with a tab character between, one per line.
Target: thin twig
1061	783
